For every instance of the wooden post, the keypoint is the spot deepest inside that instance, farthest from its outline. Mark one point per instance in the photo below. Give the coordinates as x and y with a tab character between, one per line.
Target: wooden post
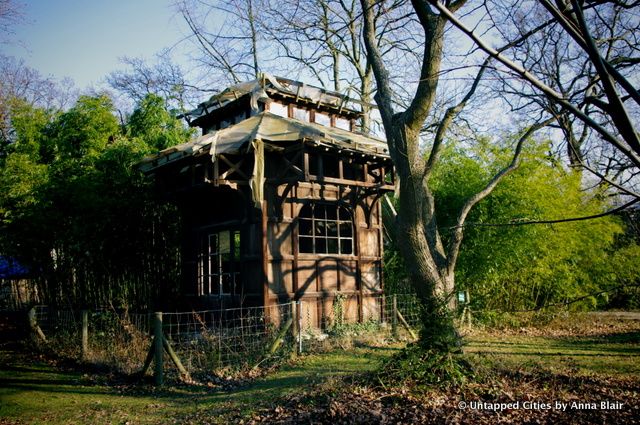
33	323
394	317
149	359
280	337
174	357
406	326
158	347
85	334
294	328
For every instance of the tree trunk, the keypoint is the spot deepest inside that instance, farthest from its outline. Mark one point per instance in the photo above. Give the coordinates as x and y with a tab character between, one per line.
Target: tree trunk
424	254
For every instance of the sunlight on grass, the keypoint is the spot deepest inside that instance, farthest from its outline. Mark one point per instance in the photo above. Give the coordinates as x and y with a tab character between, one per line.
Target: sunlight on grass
610	355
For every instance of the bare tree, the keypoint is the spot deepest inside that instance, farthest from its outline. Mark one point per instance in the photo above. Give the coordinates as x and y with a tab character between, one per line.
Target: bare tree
163	78
10	16
18	82
324	39
579	64
430	260
226	37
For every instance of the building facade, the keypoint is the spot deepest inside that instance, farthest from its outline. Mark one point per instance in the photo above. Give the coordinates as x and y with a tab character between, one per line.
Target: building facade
280	201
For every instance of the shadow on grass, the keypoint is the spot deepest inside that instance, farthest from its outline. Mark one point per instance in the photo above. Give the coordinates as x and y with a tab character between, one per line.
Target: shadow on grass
84	379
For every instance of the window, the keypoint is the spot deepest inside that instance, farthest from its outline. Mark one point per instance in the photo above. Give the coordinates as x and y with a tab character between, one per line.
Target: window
325	229
322	119
219	263
343	123
279	109
300	114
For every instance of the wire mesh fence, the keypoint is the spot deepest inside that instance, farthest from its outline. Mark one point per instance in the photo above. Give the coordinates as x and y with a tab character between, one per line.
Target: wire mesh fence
210	341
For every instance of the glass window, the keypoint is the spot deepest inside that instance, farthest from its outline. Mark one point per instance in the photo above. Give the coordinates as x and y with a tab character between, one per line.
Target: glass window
343	123
325	229
301	114
322	119
279	109
219	263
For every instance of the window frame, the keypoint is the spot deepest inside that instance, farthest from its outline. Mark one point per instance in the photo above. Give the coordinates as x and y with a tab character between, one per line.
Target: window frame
219	267
327	229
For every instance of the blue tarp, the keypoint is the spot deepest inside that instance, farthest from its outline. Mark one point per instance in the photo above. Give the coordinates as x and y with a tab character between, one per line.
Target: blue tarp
11	269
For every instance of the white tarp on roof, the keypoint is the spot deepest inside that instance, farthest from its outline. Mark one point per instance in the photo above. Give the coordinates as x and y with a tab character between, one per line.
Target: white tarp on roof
266	127
253	133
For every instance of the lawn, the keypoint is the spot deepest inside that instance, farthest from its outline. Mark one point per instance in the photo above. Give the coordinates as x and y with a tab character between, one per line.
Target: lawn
42	391
589	358
616	355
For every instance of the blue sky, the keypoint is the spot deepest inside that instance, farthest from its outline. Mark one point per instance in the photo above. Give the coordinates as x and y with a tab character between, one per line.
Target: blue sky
84	39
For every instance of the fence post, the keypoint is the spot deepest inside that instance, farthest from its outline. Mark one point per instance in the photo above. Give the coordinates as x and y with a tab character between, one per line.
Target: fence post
158	337
299	318
85	334
33	323
383	311
394	317
294	328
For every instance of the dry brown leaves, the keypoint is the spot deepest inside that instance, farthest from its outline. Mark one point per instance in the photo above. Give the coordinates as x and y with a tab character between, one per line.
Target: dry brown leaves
532	397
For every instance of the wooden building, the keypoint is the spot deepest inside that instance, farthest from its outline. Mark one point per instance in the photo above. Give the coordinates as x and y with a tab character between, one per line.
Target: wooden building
280	200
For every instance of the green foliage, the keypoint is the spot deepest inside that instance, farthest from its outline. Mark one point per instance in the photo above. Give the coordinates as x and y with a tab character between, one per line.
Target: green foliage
83	132
76	210
425	368
522	267
155	125
525	267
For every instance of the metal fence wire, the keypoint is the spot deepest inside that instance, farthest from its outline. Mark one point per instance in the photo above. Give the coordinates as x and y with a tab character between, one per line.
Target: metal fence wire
212	341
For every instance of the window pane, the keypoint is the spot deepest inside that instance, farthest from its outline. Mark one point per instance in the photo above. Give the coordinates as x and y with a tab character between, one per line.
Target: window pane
301	114
346	229
304	227
225	242
213	244
323	119
332	213
346	246
321	228
306	245
236	246
343	123
279	109
306	211
332	228
332	246
227	283
330	231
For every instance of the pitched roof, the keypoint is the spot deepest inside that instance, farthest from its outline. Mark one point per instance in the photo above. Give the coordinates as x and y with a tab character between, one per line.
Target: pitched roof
267	127
261	88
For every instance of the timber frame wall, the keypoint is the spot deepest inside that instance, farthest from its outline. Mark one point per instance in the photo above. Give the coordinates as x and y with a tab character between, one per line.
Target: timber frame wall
215	195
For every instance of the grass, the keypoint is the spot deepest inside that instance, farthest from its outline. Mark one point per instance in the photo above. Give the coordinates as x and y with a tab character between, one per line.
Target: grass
41	393
603	349
582	344
616	355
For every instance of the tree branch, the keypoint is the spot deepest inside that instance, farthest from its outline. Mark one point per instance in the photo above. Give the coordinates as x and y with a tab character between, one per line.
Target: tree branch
456	239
